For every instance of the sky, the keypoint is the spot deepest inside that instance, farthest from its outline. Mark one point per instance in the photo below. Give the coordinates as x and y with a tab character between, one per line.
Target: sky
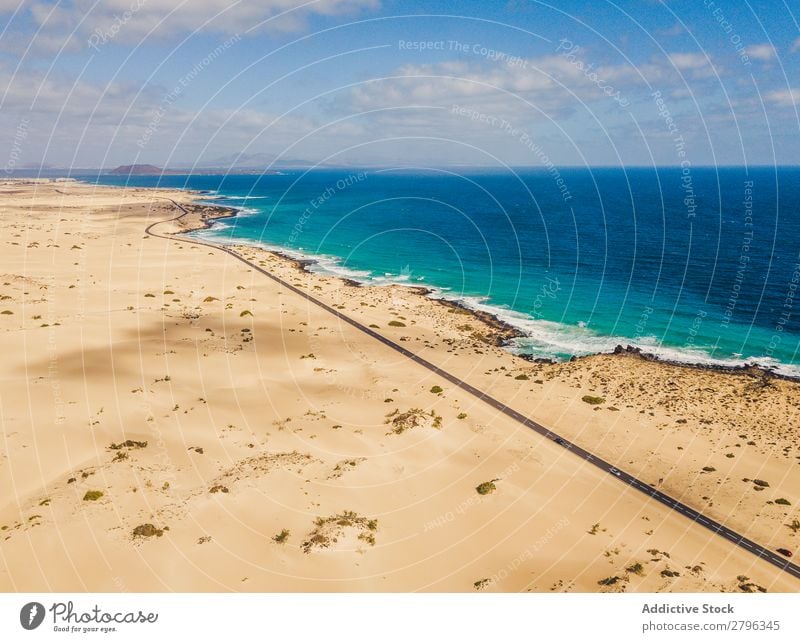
199	83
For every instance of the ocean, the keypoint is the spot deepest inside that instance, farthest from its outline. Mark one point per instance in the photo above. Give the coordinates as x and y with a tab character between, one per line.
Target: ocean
699	265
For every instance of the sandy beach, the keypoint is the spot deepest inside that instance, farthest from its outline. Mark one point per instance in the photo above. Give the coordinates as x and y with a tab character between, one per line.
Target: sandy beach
173	420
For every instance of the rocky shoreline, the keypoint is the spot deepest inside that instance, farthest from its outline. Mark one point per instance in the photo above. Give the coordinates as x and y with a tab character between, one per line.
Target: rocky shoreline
751	369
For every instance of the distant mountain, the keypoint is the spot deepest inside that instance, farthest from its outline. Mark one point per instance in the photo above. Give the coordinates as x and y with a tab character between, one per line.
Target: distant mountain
137	170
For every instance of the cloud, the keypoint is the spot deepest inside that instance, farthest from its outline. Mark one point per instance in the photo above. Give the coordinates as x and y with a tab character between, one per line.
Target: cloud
762	53
560	99
70	24
675	30
784	97
85	122
795	46
688	60
696	65
505	86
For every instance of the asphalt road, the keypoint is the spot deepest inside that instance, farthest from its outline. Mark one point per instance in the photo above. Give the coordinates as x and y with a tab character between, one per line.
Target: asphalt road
776	559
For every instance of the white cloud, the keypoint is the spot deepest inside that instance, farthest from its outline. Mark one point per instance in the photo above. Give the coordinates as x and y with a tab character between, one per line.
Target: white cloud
784	97
675	30
795	46
90	122
762	53
70	24
685	61
548	83
696	65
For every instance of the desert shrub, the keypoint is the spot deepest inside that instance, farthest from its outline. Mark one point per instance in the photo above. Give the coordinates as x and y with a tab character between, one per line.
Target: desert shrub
147	530
328	530
783	502
481	584
636	568
92	495
281	537
412	418
397	324
437	390
593	401
486	488
128	443
522	377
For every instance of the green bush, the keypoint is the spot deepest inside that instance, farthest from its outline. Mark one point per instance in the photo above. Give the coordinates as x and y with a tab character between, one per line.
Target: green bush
148	530
486	488
437	389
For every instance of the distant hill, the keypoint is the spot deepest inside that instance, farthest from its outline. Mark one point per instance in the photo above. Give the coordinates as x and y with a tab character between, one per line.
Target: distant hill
128	170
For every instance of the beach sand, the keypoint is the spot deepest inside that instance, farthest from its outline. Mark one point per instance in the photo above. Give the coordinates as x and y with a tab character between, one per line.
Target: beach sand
174	420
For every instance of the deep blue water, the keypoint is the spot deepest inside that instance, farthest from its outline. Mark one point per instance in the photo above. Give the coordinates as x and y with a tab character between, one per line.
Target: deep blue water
699	266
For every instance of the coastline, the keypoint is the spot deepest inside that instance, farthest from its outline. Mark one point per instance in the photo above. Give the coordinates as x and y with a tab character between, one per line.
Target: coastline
504	332
203	409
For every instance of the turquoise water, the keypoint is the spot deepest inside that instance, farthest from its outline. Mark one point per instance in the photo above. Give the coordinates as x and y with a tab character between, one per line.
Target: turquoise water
699	266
